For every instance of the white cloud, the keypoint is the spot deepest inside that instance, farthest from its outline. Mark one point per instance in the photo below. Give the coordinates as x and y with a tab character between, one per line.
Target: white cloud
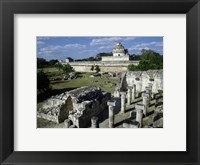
74	46
109	40
65	47
146	46
106	47
104	41
51	49
139	48
88	51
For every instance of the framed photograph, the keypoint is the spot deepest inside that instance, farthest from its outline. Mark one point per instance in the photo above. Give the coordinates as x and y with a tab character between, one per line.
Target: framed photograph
99	82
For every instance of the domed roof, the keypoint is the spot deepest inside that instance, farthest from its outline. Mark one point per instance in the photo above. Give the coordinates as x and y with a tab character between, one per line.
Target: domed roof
119	46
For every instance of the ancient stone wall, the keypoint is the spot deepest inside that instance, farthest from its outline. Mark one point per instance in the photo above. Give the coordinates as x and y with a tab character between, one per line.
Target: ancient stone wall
78	105
122	57
92	108
143	79
102	68
105	66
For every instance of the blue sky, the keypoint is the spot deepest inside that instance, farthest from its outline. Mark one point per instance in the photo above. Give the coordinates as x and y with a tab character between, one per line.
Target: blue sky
83	47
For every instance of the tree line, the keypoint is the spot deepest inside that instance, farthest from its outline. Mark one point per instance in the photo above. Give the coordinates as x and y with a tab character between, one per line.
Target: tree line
43	82
42	63
149	59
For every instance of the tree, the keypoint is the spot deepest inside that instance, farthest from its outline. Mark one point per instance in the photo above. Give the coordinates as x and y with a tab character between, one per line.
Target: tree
59	66
92	68
91	59
149	59
97	68
53	62
134	57
87	59
42	81
67	68
132	67
41	63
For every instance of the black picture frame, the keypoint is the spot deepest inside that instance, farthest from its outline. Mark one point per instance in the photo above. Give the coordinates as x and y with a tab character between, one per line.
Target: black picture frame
10	7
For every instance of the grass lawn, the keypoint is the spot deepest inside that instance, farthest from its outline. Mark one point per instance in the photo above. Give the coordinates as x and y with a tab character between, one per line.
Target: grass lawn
106	83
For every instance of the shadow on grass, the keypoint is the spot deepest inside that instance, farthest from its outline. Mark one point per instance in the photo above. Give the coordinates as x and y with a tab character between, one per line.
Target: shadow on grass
47	94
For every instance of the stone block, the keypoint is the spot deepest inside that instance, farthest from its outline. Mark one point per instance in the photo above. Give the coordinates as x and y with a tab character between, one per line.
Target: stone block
139	106
111	103
130	124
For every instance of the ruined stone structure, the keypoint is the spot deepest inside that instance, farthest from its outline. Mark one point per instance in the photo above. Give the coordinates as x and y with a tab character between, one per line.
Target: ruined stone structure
136	103
77	106
140	94
142	112
105	66
144	92
117	63
140	80
119	54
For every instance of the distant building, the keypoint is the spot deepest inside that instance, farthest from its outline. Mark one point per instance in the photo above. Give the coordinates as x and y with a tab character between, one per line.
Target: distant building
67	60
119	54
118	62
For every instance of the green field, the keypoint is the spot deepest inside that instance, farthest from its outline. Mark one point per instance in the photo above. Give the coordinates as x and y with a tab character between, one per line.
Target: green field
106	82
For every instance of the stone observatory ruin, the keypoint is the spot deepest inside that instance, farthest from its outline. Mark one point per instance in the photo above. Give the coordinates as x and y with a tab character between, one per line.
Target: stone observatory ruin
75	107
139	81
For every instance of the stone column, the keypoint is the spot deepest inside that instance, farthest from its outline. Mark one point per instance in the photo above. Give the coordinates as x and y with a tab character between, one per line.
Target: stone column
148	91
123	102
117	93
139	117
139	113
67	123
94	123
133	92
156	100
111	105
131	124
129	95
150	85
145	101
135	124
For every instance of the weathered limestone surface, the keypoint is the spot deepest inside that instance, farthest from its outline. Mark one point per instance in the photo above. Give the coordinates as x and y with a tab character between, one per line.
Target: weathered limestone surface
105	66
111	105
129	95
116	58
131	124
78	105
123	102
153	79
